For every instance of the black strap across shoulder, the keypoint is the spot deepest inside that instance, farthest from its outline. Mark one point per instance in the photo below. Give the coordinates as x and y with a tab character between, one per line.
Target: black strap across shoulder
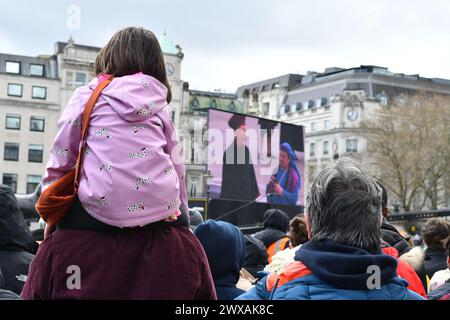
78	219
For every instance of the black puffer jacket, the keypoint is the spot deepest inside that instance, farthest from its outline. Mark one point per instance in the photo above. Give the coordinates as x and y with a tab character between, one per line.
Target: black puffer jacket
16	242
394	238
6	294
435	260
276	224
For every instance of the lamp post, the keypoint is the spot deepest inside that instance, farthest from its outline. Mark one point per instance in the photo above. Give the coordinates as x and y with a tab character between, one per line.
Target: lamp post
335	150
208	179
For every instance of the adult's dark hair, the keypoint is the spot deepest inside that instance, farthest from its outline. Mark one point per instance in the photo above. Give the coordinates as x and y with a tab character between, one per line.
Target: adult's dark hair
435	233
384	199
276	219
344	205
133	50
298	233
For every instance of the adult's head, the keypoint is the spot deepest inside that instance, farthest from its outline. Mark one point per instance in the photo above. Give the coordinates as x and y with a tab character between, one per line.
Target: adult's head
298	232
132	50
237	123
14	233
384	200
344	205
276	219
195	218
224	246
287	155
435	233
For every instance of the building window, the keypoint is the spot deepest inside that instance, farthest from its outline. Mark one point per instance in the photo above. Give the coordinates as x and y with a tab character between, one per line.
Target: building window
311	104
312	149
287	108
37	124
323	102
14	90
12	67
12	122
326	147
37	70
11	152
327	124
32	183
298	106
193	185
10	180
39	93
80	78
35	152
265	108
311	174
275	85
351	145
313	126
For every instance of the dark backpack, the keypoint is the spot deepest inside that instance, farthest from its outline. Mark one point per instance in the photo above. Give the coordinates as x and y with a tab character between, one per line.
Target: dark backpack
256	257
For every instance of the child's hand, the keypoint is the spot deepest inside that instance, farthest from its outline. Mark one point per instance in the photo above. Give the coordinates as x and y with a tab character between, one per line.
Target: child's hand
171	218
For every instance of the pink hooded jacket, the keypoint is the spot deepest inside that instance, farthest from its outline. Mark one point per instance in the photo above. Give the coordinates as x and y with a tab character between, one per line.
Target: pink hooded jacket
133	172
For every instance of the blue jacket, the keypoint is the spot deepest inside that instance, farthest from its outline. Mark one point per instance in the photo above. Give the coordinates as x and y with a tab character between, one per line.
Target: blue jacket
331	271
225	248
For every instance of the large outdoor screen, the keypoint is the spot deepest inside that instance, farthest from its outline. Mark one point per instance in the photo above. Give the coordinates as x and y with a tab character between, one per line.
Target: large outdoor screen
255	159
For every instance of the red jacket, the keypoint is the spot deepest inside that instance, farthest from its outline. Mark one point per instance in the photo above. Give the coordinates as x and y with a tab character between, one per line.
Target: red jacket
407	272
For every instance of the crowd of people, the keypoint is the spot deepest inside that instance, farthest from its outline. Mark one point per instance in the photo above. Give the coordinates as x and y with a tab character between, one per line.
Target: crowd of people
128	235
324	254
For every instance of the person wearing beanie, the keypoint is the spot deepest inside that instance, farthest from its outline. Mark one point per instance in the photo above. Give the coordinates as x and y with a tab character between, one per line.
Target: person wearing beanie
274	235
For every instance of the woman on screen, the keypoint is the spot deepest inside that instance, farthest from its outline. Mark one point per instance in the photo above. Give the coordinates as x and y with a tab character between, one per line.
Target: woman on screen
284	185
238	173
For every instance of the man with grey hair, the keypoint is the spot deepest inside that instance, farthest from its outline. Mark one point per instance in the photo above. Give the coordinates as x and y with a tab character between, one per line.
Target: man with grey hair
343	259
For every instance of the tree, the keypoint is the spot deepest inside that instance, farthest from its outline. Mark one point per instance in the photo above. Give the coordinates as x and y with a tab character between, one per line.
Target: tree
408	149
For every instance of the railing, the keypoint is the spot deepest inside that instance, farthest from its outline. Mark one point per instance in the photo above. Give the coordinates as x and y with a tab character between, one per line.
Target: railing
414	215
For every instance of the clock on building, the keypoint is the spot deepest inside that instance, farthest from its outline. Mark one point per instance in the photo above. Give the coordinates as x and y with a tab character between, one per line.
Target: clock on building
352	115
170	69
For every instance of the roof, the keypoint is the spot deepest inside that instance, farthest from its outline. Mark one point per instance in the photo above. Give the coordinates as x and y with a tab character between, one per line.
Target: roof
59	47
285	81
203	100
168	47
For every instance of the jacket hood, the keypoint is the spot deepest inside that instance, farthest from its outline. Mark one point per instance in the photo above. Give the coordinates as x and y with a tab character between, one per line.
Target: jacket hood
224	246
440	291
134	97
14	233
276	219
414	258
344	266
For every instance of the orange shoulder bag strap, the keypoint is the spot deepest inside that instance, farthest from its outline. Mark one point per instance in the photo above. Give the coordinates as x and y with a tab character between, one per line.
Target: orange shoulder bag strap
85	125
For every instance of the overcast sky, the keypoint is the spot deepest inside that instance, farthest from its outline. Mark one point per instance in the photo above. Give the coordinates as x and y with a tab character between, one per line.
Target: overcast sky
235	42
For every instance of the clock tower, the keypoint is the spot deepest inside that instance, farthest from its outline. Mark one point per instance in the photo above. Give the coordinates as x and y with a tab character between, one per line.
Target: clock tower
173	56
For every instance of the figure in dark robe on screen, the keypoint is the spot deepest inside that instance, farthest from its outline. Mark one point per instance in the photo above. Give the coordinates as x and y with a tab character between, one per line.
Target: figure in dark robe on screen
284	185
238	173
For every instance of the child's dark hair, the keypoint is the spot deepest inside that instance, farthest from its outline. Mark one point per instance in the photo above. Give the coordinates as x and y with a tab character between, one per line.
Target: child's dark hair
298	232
435	233
133	50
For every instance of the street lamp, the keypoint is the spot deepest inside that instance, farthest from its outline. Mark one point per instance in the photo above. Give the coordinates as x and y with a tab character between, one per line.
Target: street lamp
335	150
208	179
